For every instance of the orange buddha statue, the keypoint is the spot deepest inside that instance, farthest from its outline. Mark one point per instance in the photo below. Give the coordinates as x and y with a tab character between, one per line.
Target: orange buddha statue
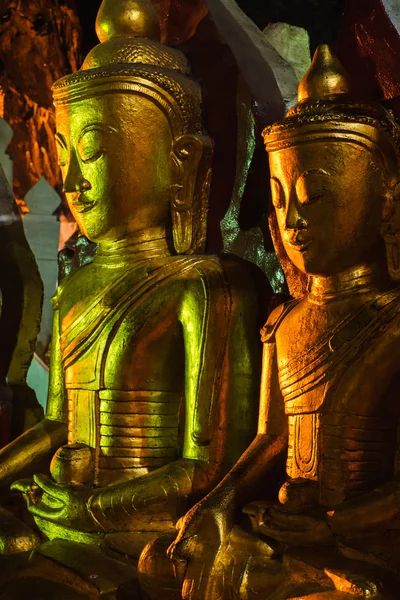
326	527
155	350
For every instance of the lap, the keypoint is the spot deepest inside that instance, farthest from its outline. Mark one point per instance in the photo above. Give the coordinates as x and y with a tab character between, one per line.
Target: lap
247	567
61	569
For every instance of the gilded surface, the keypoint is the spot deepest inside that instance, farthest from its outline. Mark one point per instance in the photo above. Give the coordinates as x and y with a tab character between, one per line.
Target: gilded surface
155	356
329	528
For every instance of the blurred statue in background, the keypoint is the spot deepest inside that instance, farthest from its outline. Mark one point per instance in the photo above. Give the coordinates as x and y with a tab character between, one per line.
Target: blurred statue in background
328	527
21	291
155	360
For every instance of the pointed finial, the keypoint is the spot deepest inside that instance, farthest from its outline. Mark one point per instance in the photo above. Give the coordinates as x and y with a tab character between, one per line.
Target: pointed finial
127	18
325	78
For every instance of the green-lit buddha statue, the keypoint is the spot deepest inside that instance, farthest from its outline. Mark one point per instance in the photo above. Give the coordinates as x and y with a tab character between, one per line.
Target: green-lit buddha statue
327	527
155	358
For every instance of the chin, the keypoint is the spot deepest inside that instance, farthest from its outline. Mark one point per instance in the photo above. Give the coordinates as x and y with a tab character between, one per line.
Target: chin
86	232
299	261
310	263
90	230
315	269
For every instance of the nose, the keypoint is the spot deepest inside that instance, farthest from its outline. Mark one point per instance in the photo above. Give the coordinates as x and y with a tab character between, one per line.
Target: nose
294	219
74	180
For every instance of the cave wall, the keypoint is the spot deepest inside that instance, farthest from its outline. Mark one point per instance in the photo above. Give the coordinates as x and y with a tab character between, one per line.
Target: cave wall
41	40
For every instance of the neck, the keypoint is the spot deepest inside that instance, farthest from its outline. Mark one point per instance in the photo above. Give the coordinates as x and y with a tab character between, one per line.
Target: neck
140	246
366	278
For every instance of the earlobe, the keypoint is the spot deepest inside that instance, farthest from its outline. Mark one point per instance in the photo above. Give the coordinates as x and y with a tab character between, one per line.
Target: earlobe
190	168
391	231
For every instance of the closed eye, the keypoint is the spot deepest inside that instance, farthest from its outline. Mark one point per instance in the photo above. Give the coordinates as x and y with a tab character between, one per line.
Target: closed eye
89	158
62	153
311	186
93	141
277	193
313	198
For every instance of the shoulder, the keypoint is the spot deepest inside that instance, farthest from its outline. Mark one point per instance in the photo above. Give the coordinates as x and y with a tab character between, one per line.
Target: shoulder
73	281
201	265
242	286
274	320
231	271
203	280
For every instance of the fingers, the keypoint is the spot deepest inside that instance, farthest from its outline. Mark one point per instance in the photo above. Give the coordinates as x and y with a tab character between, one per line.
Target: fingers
22	485
39	482
291	521
173	552
179	549
42	496
286	537
47	484
187	526
179	564
31	492
306	538
50	487
286	520
307	532
45	512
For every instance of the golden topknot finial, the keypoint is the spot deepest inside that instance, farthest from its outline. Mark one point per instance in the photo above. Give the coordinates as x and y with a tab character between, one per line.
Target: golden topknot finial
127	18
326	110
131	59
325	78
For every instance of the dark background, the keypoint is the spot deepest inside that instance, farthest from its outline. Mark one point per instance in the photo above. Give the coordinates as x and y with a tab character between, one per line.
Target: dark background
321	18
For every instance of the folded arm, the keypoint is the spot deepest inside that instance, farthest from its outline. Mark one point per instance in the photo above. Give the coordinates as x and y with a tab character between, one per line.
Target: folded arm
23	456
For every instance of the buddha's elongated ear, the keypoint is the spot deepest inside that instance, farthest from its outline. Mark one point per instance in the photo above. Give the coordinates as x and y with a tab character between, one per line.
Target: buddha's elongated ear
391	231
191	175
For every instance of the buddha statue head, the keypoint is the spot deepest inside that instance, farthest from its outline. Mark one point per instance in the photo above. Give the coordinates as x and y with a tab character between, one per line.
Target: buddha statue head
334	165
134	162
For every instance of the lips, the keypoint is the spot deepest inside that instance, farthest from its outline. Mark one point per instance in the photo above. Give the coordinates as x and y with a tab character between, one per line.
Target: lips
81	207
301	246
299	242
81	204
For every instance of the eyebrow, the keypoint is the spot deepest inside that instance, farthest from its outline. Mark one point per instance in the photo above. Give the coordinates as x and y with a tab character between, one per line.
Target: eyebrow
319	171
98	127
61	139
